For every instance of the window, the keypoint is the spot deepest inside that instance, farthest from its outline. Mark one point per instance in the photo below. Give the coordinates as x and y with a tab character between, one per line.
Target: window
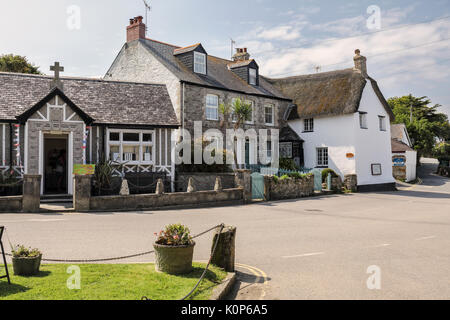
252	76
269	114
363	120
322	157
199	63
212	107
250	119
309	125
382	121
131	146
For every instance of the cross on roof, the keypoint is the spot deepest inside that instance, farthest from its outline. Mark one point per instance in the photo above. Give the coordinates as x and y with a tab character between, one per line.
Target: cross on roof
57	69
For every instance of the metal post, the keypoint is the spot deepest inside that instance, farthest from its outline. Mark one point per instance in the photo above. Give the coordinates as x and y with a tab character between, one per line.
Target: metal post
3	254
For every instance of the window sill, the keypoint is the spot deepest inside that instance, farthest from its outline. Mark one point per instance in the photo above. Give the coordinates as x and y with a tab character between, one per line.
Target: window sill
308	132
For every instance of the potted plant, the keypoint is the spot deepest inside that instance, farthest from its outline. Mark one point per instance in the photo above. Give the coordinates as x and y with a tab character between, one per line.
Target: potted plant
26	261
174	250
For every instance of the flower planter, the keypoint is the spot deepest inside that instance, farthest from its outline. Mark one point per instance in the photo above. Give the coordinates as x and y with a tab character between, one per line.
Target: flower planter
174	259
26	266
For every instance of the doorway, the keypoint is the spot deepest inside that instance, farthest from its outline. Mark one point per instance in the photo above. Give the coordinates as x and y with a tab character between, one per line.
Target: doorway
55	164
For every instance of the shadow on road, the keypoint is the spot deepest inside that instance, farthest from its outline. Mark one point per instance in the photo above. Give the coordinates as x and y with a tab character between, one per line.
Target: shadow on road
423	194
247	287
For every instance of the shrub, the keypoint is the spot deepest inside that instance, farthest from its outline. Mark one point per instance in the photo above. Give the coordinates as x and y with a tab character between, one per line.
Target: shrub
288	164
21	251
326	172
174	235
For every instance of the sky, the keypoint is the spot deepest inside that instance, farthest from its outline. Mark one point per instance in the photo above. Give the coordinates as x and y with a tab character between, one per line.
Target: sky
407	43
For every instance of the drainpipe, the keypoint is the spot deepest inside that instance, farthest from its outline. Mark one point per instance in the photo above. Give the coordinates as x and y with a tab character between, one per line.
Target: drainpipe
182	106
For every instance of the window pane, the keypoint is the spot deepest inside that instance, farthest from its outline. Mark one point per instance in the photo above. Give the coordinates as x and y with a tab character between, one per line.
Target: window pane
212	107
131	153
131	136
199	63
147	154
252	79
114	136
147	137
114	153
269	114
250	118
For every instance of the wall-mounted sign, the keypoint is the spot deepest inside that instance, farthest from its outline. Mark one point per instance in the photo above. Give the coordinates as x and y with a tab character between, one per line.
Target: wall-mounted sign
350	155
376	169
83	169
399	161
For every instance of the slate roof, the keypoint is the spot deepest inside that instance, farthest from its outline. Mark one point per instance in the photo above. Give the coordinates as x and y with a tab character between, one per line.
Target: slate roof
106	102
219	76
288	134
399	146
186	49
328	93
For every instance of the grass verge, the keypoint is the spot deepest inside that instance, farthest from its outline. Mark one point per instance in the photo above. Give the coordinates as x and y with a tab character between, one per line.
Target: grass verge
110	282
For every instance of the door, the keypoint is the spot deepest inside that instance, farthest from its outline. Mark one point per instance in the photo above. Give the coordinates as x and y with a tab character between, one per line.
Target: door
257	186
317	179
55	164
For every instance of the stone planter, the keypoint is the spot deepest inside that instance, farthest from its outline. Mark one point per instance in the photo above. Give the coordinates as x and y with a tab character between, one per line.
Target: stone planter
26	266
174	260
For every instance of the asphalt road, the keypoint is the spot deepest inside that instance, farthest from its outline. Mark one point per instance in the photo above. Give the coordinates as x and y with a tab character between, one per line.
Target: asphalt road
316	248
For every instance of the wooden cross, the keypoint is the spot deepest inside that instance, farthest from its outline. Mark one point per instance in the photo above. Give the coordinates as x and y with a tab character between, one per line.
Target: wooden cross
57	69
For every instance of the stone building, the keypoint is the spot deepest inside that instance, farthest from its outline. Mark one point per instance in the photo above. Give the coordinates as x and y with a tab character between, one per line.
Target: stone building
198	83
48	125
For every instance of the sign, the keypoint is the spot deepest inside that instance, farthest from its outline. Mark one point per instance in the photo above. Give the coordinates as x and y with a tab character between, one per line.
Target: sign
399	161
350	155
83	169
376	169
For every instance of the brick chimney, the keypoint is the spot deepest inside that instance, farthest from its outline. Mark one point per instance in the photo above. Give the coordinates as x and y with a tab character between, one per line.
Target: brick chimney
360	63
136	29
241	55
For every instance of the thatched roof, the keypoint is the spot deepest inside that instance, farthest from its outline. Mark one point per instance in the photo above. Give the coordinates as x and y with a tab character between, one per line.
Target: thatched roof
328	93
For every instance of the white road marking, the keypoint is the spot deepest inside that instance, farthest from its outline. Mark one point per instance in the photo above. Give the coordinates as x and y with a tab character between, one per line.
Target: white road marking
426	238
304	255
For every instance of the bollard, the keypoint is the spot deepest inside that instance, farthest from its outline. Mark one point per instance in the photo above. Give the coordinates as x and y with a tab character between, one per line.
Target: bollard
31	200
224	256
82	193
160	187
124	189
191	185
218	185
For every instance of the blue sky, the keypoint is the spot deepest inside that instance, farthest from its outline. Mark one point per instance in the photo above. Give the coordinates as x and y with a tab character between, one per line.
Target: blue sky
285	37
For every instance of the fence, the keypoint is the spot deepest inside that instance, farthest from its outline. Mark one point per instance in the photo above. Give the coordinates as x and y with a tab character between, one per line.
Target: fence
269	171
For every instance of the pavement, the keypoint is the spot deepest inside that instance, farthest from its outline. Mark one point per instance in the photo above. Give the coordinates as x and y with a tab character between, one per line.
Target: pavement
313	248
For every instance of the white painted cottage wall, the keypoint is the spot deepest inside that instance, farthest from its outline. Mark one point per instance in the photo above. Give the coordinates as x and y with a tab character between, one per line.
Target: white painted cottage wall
336	133
373	146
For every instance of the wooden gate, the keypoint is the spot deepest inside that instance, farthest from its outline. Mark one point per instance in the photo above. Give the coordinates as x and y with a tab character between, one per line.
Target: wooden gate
257	186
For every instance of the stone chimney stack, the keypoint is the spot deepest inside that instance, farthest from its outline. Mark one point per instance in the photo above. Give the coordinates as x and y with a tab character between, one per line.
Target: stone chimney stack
241	55
360	63
136	29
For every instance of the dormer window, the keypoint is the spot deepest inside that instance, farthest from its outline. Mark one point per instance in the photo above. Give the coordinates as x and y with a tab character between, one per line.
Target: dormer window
252	79
199	63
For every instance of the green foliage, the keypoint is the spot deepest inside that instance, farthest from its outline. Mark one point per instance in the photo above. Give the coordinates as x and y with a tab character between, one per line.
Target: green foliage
288	164
21	251
18	64
442	151
427	125
174	235
104	173
326	172
238	109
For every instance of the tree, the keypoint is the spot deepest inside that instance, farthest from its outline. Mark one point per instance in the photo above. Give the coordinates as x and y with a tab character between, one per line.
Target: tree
19	64
427	126
237	112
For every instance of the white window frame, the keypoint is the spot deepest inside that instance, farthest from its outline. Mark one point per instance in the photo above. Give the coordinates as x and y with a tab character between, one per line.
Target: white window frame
308	125
382	122
272	115
322	157
141	144
212	107
252	78
199	67
252	120
363	124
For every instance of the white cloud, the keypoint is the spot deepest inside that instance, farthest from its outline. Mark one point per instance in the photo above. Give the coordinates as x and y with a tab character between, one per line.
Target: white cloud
285	33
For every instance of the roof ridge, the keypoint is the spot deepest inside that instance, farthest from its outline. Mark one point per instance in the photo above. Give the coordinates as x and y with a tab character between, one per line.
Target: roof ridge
190	46
165	43
44	76
312	74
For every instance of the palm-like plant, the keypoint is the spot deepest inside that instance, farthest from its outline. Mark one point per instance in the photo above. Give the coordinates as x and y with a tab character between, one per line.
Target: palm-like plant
240	112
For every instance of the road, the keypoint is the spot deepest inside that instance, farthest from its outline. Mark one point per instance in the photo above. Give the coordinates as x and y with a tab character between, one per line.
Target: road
315	248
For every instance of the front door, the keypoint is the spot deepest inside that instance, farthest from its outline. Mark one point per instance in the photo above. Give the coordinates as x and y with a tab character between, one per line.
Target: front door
55	164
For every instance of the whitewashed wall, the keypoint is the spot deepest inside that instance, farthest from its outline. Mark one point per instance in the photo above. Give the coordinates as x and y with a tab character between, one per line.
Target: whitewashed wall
411	165
372	145
336	133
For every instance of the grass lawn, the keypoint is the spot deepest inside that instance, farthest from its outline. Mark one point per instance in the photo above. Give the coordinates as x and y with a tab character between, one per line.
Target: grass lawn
110	282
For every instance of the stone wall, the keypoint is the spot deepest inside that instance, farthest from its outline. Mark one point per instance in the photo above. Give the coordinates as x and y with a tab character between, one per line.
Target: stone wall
11	204
155	201
204	181
290	188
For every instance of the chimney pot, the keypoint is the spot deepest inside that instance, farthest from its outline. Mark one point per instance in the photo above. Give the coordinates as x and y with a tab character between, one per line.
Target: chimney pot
360	63
136	29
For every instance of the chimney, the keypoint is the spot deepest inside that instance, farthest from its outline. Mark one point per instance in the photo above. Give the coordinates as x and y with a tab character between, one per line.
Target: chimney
241	55
136	29
360	63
